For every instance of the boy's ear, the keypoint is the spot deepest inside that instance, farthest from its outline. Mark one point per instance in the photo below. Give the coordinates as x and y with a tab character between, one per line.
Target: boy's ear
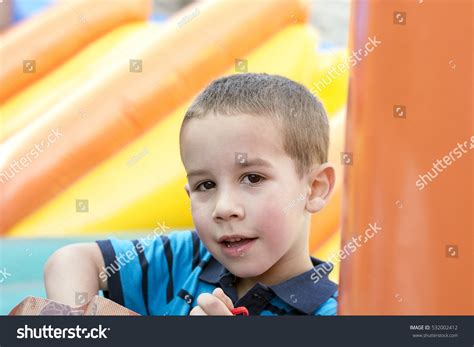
186	188
321	181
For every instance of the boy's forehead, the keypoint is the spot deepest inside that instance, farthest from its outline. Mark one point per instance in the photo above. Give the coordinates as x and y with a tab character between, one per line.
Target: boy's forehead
230	138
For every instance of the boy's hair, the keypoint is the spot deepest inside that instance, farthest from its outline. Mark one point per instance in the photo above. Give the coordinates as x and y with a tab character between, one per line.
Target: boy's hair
303	119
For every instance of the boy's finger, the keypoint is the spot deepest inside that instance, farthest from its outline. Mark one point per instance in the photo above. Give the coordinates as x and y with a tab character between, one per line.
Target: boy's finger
197	311
212	305
221	295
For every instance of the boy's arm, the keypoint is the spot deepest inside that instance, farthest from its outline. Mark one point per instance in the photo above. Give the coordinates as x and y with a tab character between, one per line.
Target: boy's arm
71	274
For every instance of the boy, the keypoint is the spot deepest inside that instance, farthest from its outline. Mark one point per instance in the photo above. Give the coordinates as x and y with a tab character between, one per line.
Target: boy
254	147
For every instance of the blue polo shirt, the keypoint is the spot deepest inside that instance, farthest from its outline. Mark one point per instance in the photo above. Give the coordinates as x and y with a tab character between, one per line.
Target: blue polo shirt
165	275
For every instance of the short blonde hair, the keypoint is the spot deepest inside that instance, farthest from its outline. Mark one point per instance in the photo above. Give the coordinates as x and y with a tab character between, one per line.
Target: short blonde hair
304	122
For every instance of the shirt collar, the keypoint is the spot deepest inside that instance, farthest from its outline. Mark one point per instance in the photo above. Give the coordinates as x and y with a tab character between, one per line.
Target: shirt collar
305	292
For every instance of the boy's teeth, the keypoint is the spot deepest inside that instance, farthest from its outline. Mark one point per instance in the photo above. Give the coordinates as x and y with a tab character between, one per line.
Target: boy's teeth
230	241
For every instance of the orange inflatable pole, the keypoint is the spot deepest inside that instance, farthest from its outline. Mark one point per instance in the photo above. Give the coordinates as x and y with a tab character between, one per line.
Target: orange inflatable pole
122	105
409	181
38	45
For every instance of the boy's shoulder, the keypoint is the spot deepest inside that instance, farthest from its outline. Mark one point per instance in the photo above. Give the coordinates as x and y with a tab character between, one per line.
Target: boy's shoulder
177	247
311	292
132	268
329	307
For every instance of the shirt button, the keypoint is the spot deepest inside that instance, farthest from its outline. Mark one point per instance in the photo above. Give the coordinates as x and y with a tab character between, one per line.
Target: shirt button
256	296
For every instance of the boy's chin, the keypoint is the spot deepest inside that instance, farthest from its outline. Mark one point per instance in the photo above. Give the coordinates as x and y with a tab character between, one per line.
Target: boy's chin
244	269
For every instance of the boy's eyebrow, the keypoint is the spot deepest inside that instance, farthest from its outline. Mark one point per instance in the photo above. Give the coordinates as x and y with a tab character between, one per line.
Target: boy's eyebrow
243	163
254	162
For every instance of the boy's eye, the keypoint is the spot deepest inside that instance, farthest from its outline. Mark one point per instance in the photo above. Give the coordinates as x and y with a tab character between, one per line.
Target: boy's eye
248	179
254	178
205	186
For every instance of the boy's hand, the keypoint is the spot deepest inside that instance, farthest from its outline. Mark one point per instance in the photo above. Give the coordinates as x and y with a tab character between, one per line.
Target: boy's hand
215	304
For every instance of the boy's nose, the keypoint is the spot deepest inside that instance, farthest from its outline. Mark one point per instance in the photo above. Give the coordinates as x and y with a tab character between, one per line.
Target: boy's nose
227	208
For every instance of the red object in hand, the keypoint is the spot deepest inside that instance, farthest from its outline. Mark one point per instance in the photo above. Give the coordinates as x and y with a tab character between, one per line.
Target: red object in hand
240	311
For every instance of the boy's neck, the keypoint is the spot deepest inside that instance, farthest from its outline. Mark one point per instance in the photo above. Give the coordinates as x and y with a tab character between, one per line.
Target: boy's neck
287	267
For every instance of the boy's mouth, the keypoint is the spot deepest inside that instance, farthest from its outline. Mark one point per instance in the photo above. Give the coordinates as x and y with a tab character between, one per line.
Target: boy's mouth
236	245
236	242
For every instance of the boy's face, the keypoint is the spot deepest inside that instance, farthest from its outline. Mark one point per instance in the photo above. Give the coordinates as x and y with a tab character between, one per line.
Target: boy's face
242	184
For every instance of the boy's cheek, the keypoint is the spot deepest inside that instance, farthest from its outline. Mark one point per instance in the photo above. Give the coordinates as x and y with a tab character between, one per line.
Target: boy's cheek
272	224
199	214
204	231
202	225
268	215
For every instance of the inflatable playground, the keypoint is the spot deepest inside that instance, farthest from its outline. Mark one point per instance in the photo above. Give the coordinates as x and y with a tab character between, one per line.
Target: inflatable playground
92	98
